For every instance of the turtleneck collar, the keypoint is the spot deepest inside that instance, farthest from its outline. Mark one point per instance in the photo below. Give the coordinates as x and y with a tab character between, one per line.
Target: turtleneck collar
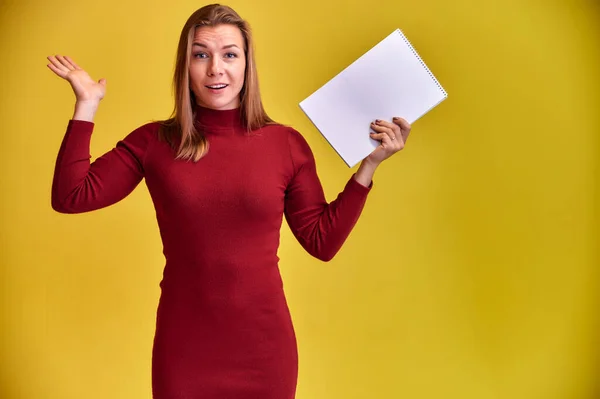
212	120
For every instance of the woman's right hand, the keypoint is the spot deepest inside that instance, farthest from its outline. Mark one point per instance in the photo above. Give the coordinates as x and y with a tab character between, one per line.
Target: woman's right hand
85	88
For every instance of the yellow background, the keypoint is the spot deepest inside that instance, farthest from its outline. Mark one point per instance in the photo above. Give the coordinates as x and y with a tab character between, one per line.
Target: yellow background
473	272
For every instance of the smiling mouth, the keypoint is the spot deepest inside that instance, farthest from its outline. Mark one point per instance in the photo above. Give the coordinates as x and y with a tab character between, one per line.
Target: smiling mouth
216	87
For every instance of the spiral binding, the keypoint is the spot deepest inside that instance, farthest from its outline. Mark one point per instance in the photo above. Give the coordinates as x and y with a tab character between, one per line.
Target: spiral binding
421	61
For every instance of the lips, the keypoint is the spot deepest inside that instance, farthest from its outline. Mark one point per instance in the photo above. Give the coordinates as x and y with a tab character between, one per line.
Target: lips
217	86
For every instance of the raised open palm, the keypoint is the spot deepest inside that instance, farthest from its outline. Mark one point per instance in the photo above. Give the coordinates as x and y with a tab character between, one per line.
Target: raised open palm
85	88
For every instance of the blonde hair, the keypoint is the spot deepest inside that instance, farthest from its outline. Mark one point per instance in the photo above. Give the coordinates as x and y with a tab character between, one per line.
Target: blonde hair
193	144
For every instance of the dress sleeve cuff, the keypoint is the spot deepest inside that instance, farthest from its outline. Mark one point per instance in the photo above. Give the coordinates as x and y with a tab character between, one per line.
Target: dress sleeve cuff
358	188
79	126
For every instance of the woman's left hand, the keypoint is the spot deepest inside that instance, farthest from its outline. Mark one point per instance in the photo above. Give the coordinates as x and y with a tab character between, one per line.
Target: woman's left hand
391	135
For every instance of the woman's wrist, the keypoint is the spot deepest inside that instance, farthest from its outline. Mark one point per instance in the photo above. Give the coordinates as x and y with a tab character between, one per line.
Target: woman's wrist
365	172
85	110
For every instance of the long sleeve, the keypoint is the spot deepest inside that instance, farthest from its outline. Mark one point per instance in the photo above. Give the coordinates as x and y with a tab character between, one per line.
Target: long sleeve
80	186
320	227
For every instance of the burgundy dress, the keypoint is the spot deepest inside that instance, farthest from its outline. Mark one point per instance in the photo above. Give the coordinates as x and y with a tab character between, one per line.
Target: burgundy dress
223	327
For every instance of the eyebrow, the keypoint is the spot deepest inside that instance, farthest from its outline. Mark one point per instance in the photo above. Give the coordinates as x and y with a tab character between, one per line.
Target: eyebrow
224	47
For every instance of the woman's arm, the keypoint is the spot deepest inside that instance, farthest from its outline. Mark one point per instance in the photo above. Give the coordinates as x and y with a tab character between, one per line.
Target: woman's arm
321	227
81	186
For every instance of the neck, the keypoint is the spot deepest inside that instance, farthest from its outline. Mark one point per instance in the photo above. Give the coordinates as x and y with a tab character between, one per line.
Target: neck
209	119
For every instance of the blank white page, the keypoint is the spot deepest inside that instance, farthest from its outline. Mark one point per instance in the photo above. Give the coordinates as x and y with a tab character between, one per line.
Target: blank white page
389	80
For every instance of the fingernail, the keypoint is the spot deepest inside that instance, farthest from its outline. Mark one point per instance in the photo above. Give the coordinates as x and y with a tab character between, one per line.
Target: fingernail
396	118
377	121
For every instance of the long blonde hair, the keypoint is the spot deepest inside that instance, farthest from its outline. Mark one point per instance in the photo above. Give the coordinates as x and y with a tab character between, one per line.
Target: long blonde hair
193	144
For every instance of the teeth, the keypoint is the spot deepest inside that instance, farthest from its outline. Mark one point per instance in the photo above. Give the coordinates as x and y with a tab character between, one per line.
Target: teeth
217	86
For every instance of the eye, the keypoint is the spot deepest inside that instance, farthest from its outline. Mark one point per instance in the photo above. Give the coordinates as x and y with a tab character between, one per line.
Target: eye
200	55
231	55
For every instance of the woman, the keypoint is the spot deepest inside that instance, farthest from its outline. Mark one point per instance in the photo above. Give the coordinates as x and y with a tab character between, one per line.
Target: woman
221	175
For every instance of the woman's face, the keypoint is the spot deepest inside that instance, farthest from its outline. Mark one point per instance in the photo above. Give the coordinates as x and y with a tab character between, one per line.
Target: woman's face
217	66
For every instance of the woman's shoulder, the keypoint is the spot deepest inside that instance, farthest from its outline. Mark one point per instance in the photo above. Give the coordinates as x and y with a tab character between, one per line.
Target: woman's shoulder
287	132
142	137
287	136
147	131
150	128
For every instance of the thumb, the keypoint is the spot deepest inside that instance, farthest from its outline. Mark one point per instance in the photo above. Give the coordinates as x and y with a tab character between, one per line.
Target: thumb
102	82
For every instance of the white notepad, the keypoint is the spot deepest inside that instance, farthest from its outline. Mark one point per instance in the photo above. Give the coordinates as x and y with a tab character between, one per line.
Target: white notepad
389	80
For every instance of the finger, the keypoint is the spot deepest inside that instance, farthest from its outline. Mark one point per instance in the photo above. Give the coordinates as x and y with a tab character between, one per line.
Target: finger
72	62
405	127
387	124
58	65
385	127
62	72
401	122
397	132
57	71
66	63
379	136
384	139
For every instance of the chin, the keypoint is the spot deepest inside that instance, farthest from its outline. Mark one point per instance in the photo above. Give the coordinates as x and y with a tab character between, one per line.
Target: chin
219	104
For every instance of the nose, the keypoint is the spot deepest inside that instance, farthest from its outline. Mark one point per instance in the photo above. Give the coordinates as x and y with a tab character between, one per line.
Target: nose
215	67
